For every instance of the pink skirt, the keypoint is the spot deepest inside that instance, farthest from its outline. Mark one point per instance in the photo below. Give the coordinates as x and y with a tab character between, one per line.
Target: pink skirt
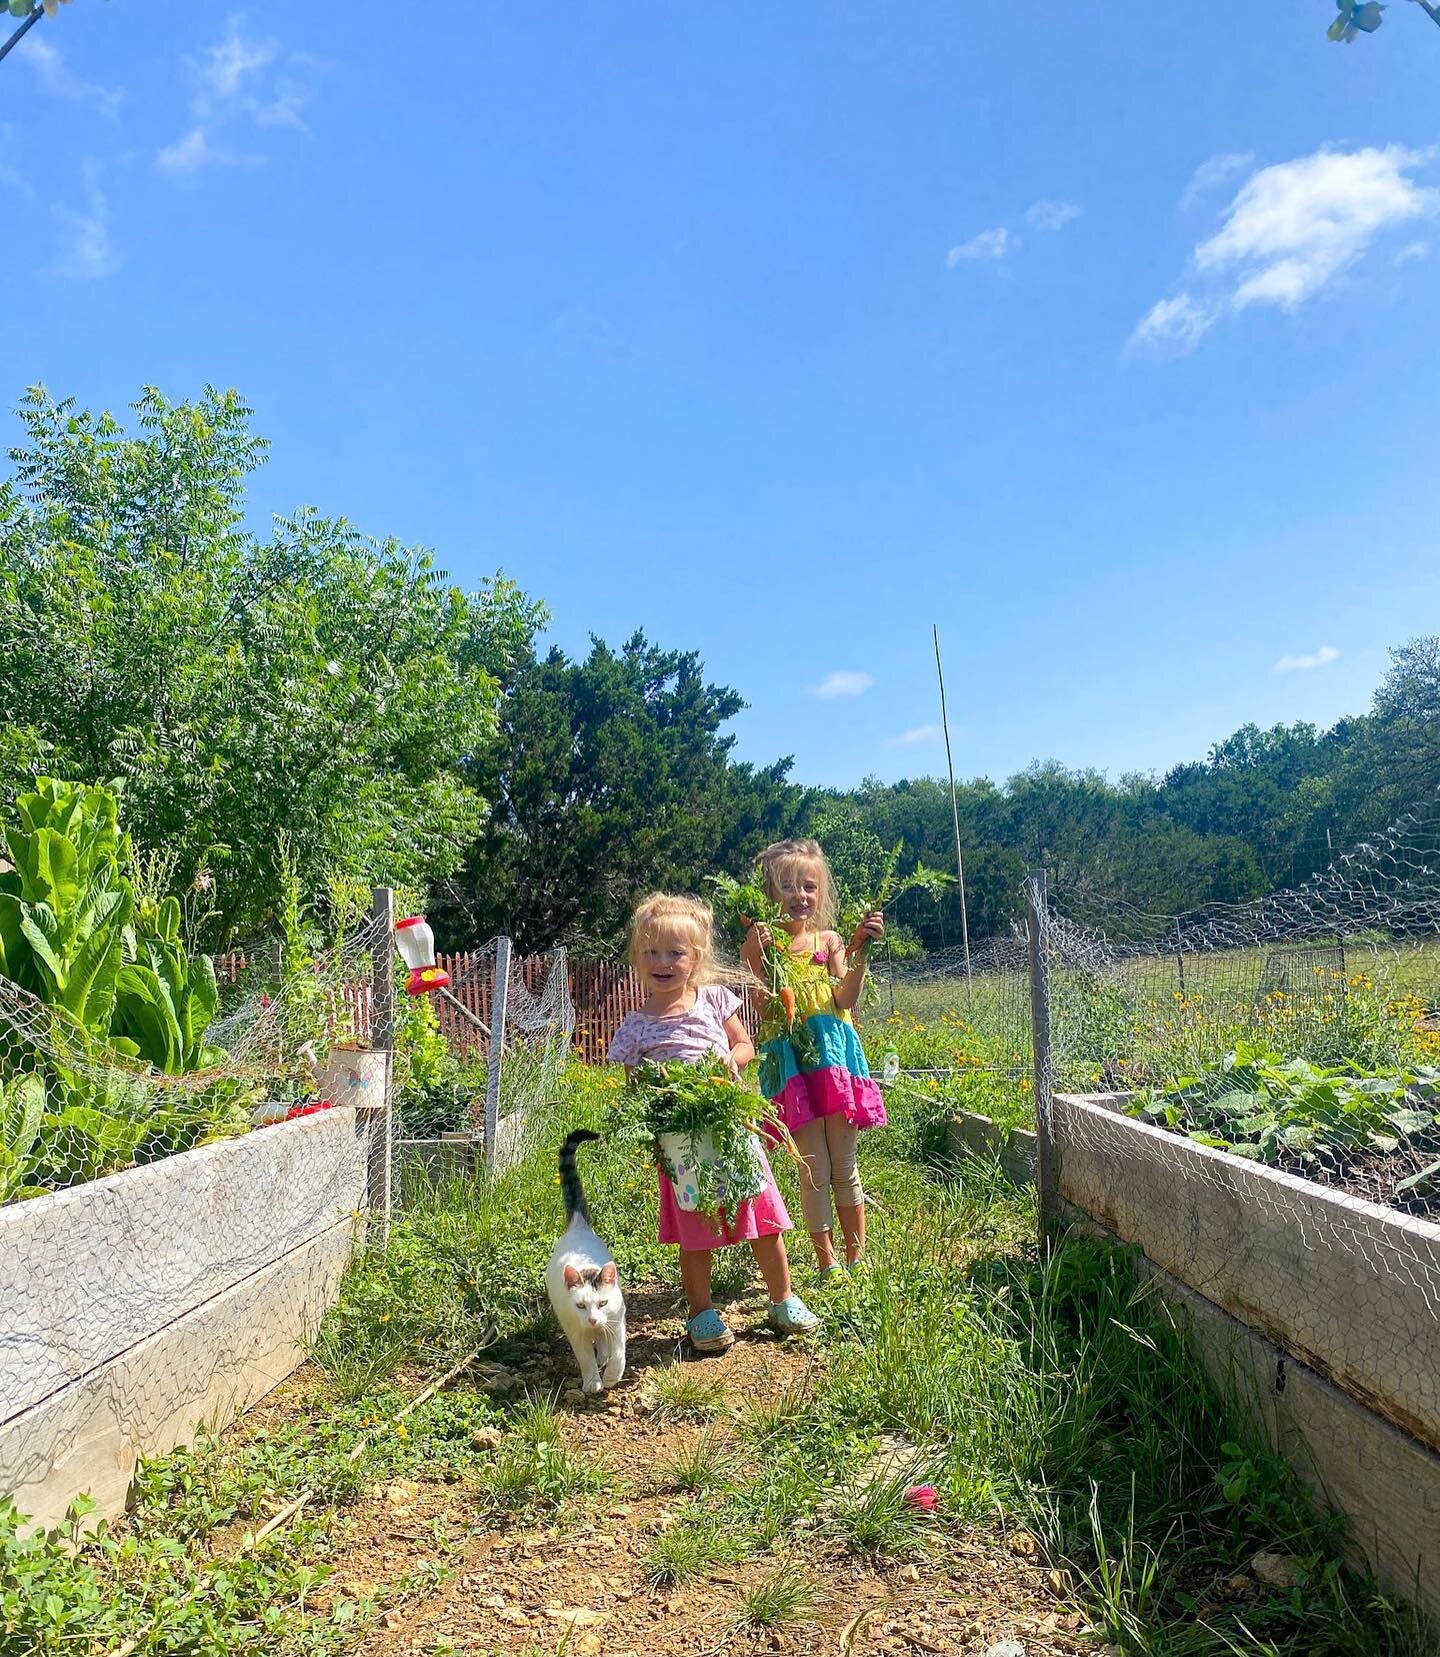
760	1216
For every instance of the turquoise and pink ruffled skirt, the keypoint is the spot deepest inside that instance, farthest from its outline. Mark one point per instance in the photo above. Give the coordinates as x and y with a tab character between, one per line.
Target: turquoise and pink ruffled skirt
840	1082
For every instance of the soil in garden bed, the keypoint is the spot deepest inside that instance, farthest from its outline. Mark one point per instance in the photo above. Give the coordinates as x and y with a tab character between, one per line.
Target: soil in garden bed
1374	1175
579	1586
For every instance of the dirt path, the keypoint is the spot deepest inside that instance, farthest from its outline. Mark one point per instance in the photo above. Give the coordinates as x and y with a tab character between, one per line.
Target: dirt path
579	1587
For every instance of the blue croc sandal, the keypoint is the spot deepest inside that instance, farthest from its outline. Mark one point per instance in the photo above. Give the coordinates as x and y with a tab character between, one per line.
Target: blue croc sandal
708	1332
792	1317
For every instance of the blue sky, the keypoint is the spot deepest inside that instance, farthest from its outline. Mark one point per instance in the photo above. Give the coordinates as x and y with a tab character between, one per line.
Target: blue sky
1105	337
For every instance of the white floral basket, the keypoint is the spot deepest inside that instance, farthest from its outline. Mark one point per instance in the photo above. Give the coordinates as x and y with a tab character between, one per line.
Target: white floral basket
682	1156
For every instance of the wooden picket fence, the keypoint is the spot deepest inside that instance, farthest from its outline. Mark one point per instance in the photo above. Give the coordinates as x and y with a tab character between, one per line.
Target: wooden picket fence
602	992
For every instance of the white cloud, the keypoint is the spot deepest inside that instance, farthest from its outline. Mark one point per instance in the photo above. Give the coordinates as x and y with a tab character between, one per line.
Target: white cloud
1294	226
1290	231
1053	215
223	70
1211	174
1323	657
989	244
60	81
195	151
1412	251
843	683
916	735
86	251
1177	324
239	80
1001	241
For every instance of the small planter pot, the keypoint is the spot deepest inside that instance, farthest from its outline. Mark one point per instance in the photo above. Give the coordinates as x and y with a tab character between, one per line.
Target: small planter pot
682	1157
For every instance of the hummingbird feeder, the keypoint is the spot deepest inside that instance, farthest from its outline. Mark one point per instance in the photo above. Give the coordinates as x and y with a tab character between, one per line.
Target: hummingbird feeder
416	943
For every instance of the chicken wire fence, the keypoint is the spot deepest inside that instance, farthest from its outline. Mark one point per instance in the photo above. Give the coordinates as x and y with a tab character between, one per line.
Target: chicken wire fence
1299	1033
509	1023
186	1060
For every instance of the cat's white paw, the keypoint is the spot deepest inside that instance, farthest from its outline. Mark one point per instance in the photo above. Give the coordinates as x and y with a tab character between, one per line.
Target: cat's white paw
597	1385
614	1375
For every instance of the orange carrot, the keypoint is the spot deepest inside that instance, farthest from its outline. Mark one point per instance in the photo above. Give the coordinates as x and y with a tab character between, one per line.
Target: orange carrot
787	1003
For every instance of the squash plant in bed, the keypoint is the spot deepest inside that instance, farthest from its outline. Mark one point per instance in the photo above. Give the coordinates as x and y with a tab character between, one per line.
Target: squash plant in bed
125	995
1291	1112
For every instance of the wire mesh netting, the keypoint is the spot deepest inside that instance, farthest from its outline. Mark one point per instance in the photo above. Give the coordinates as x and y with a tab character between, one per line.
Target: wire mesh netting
1263	1082
126	1303
443	1094
1301	1031
185	1062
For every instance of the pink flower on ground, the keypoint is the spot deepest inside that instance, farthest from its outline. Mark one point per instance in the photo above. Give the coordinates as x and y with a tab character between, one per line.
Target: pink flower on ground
923	1496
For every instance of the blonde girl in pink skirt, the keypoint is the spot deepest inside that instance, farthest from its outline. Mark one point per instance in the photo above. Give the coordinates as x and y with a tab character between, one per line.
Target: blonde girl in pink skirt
686	1015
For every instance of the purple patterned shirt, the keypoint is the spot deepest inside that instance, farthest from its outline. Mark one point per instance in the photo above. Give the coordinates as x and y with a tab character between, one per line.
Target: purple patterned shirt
698	1034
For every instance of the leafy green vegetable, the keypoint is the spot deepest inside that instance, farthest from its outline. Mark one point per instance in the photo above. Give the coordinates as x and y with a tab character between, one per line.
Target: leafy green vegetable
700	1102
1260	1105
126	989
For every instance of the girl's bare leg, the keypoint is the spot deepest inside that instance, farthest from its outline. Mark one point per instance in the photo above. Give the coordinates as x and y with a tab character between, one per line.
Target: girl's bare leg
774	1267
852	1224
695	1278
824	1249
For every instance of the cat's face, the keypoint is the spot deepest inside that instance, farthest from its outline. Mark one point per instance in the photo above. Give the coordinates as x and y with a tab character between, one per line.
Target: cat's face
594	1293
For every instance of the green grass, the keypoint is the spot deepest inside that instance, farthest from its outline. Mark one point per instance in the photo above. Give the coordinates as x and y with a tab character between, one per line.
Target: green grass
684	1393
1054	1395
690	1548
706	1464
1061	1394
876	1519
535	1473
786	1595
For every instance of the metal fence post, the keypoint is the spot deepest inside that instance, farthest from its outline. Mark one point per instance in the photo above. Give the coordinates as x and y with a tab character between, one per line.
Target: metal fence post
1046	1183
498	999
1180	954
382	1040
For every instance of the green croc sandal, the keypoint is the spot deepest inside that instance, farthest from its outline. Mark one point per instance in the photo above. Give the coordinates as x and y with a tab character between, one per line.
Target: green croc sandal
709	1332
831	1277
791	1317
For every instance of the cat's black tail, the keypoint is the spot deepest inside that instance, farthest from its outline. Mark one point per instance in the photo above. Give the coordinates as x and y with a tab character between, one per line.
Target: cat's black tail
570	1186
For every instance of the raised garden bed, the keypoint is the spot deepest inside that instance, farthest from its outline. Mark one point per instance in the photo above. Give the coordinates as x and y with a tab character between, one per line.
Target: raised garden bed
1320	1310
139	1306
1323	1307
1013	1148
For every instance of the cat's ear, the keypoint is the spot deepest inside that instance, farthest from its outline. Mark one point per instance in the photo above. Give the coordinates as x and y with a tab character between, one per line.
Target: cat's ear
608	1274
572	1277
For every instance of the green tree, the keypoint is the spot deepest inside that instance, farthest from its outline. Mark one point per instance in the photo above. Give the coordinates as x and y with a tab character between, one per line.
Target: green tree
1405	726
317	686
611	777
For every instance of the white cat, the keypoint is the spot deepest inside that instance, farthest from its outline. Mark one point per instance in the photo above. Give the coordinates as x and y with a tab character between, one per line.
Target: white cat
584	1285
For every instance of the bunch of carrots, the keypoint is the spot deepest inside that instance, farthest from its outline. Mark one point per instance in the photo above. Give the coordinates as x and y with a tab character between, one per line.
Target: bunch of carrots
745	904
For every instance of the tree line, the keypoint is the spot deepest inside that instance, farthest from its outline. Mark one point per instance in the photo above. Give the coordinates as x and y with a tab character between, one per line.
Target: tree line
316	707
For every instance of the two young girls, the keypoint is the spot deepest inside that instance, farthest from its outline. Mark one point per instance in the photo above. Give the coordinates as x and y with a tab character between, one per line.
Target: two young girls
688	1014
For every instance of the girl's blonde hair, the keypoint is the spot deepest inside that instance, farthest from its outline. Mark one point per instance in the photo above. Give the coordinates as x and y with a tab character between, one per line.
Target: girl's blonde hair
783	859
669	915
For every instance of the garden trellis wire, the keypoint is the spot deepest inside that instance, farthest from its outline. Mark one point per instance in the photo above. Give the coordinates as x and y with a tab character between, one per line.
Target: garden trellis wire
1268	1072
95	1271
